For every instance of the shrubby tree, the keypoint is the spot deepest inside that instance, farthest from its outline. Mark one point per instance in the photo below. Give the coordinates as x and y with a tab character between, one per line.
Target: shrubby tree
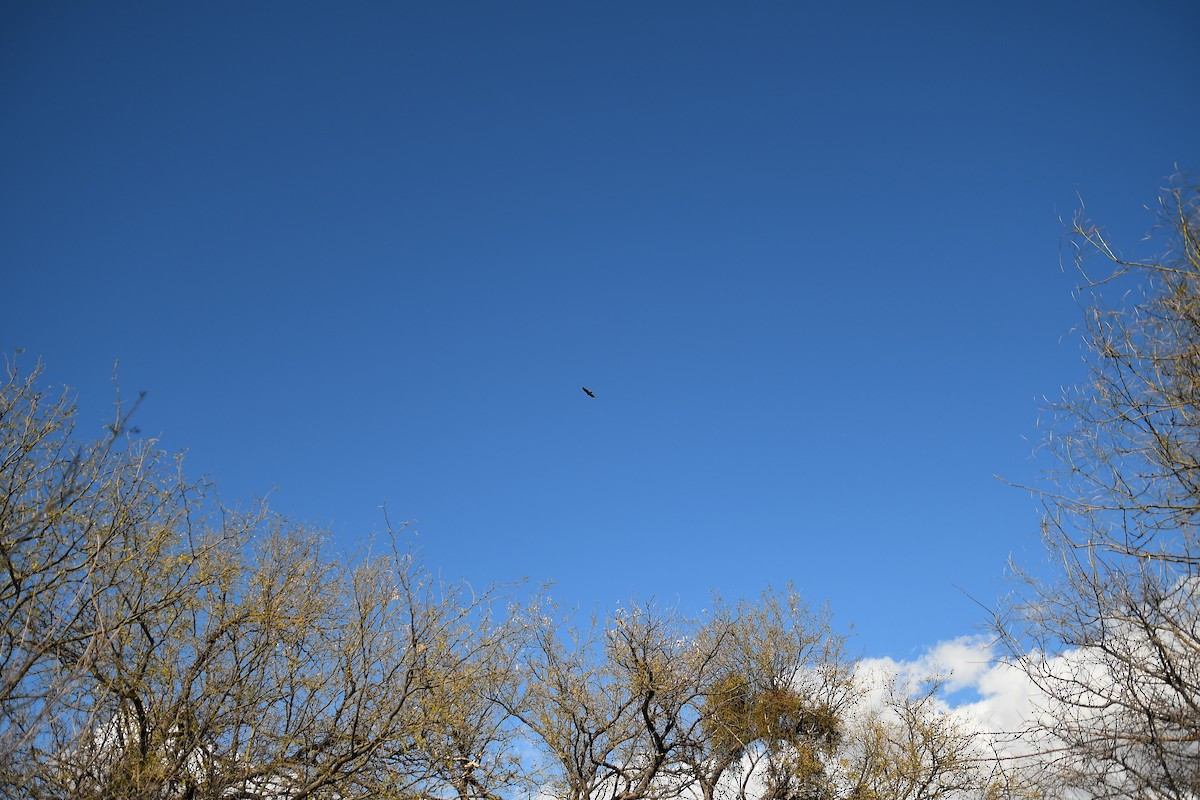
1112	636
787	715
773	711
910	746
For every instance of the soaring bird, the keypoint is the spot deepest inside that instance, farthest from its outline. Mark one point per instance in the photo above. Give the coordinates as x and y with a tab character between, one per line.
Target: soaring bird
588	391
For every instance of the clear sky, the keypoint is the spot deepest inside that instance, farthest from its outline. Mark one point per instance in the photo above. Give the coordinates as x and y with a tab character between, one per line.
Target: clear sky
807	256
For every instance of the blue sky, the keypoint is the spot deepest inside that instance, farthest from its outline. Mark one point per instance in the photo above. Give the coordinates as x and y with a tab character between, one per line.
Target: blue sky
806	255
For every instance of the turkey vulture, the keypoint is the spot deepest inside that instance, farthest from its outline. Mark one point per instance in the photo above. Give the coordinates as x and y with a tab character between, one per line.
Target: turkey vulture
588	391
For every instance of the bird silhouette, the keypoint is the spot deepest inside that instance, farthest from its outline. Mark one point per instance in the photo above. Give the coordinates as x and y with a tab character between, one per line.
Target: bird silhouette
588	391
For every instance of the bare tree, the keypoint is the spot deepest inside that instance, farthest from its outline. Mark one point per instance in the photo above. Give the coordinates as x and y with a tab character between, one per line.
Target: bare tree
470	740
663	663
157	645
1112	636
612	707
78	523
577	715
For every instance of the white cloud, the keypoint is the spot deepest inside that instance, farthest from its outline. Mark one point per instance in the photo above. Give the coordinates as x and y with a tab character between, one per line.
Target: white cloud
996	696
962	663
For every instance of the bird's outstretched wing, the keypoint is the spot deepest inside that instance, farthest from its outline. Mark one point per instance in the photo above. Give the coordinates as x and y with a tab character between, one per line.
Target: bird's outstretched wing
588	391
